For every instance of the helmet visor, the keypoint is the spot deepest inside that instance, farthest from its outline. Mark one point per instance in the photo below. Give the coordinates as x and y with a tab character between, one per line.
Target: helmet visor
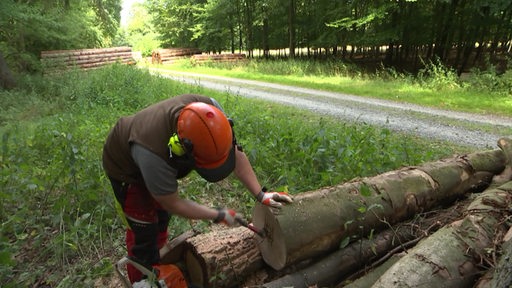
222	171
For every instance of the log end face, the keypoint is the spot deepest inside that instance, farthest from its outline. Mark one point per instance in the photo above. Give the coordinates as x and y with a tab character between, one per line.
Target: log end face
272	247
195	269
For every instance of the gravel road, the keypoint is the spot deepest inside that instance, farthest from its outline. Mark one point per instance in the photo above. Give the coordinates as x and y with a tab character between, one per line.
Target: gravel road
478	131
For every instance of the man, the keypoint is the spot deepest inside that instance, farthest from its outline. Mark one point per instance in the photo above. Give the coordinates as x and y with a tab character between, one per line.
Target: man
146	153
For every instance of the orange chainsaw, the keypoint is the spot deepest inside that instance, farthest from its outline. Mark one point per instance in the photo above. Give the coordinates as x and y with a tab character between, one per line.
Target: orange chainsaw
167	276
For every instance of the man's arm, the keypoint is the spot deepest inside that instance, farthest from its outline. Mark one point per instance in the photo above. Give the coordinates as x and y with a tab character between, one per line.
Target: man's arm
185	208
245	173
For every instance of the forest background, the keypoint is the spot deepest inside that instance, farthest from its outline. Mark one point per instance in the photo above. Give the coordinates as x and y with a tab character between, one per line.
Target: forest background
59	227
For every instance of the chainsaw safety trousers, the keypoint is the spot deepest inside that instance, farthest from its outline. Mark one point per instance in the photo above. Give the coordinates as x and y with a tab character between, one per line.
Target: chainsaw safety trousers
147	225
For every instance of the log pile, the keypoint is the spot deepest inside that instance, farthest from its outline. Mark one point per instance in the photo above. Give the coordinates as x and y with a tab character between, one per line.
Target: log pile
446	223
86	58
163	56
203	58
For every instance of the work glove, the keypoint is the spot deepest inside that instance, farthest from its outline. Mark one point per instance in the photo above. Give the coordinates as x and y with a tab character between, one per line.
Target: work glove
227	217
273	199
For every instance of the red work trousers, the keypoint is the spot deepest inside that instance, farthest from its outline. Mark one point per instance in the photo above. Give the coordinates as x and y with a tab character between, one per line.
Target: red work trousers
147	221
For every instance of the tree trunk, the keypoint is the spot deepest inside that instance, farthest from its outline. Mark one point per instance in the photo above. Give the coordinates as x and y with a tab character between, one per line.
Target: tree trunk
454	255
319	220
265	40
6	79
291	27
222	258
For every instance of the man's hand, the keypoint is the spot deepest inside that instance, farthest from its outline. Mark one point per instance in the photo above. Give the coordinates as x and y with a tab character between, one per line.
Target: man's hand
274	199
227	217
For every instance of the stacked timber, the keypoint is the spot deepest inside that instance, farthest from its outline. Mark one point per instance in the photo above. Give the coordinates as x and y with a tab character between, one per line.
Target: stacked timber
234	57
86	58
402	224
163	56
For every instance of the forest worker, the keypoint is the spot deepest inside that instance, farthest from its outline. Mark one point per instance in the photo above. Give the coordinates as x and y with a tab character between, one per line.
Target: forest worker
147	152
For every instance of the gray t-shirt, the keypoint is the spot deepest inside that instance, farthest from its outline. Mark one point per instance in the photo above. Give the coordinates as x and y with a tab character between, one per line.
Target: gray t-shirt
159	177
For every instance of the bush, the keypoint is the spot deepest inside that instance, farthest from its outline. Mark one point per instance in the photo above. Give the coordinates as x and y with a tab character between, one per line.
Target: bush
436	75
490	81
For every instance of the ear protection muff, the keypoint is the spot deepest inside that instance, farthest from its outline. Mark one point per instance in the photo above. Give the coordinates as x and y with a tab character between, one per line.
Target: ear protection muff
179	147
175	145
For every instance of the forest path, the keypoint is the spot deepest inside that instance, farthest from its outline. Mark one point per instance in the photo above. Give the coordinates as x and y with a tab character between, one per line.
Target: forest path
473	130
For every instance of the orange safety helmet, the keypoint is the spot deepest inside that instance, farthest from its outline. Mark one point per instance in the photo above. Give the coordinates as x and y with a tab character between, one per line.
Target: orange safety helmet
210	133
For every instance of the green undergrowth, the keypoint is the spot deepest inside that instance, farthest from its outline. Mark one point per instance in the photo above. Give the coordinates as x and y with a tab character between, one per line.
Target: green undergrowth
59	225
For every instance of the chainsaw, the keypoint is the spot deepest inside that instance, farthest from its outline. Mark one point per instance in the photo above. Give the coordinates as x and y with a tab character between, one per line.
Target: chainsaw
167	275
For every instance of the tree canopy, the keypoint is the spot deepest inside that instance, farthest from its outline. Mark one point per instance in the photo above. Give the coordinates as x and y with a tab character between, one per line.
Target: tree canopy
450	30
458	33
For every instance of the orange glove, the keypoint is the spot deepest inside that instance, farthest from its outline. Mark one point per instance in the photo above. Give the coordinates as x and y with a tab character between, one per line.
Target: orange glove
227	217
273	199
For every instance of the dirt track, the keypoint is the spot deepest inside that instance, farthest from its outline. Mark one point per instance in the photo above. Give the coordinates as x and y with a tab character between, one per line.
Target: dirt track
478	131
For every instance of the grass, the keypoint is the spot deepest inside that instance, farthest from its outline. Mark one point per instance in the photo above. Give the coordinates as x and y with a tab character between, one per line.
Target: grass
59	225
436	86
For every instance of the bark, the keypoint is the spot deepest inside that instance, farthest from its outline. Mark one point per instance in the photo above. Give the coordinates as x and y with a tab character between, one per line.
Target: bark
319	220
369	279
366	253
505	145
454	255
502	276
222	258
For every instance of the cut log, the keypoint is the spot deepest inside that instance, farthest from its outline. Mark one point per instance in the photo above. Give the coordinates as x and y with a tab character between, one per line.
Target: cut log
222	258
370	278
454	255
196	59
319	220
57	60
78	52
365	252
505	145
172	252
163	56
502	276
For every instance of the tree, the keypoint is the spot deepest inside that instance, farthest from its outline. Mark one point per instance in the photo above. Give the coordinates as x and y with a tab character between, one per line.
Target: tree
140	33
29	27
459	33
175	21
6	79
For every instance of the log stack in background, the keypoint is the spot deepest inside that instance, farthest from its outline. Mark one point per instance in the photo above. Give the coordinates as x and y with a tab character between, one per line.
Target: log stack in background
198	59
305	243
86	58
165	56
